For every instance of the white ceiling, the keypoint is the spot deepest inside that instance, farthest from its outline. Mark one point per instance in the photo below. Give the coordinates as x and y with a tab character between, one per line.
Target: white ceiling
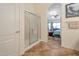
54	7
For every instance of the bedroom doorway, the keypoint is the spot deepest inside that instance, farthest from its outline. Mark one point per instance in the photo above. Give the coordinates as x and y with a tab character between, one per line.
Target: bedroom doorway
54	28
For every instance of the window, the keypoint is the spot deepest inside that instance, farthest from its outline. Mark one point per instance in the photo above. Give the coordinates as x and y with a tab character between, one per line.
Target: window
50	27
56	25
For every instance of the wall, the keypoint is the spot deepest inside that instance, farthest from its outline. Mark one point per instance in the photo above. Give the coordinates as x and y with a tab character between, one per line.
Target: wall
42	9
28	7
21	10
70	37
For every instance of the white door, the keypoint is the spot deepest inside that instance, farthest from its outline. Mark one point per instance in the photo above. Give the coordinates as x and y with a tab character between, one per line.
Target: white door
9	29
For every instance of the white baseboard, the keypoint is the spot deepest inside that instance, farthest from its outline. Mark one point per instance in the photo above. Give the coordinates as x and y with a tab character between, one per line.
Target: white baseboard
69	47
30	47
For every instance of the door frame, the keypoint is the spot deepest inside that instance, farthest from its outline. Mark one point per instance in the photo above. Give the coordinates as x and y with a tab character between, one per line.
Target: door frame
60	22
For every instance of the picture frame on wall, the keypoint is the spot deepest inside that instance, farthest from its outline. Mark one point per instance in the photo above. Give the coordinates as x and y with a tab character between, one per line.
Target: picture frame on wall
72	10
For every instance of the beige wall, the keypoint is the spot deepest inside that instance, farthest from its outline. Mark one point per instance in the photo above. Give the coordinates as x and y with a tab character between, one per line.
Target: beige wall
21	6
42	9
30	8
70	37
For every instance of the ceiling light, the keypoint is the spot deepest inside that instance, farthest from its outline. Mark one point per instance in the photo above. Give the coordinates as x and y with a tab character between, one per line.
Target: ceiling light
53	12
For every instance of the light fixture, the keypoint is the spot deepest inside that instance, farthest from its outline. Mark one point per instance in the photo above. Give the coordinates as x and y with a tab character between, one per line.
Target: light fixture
52	17
53	12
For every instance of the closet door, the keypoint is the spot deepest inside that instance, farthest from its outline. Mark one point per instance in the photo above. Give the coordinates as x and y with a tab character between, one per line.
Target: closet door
9	29
39	27
33	28
27	29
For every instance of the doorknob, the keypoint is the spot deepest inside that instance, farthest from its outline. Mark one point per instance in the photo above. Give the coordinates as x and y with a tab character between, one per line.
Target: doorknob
17	31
